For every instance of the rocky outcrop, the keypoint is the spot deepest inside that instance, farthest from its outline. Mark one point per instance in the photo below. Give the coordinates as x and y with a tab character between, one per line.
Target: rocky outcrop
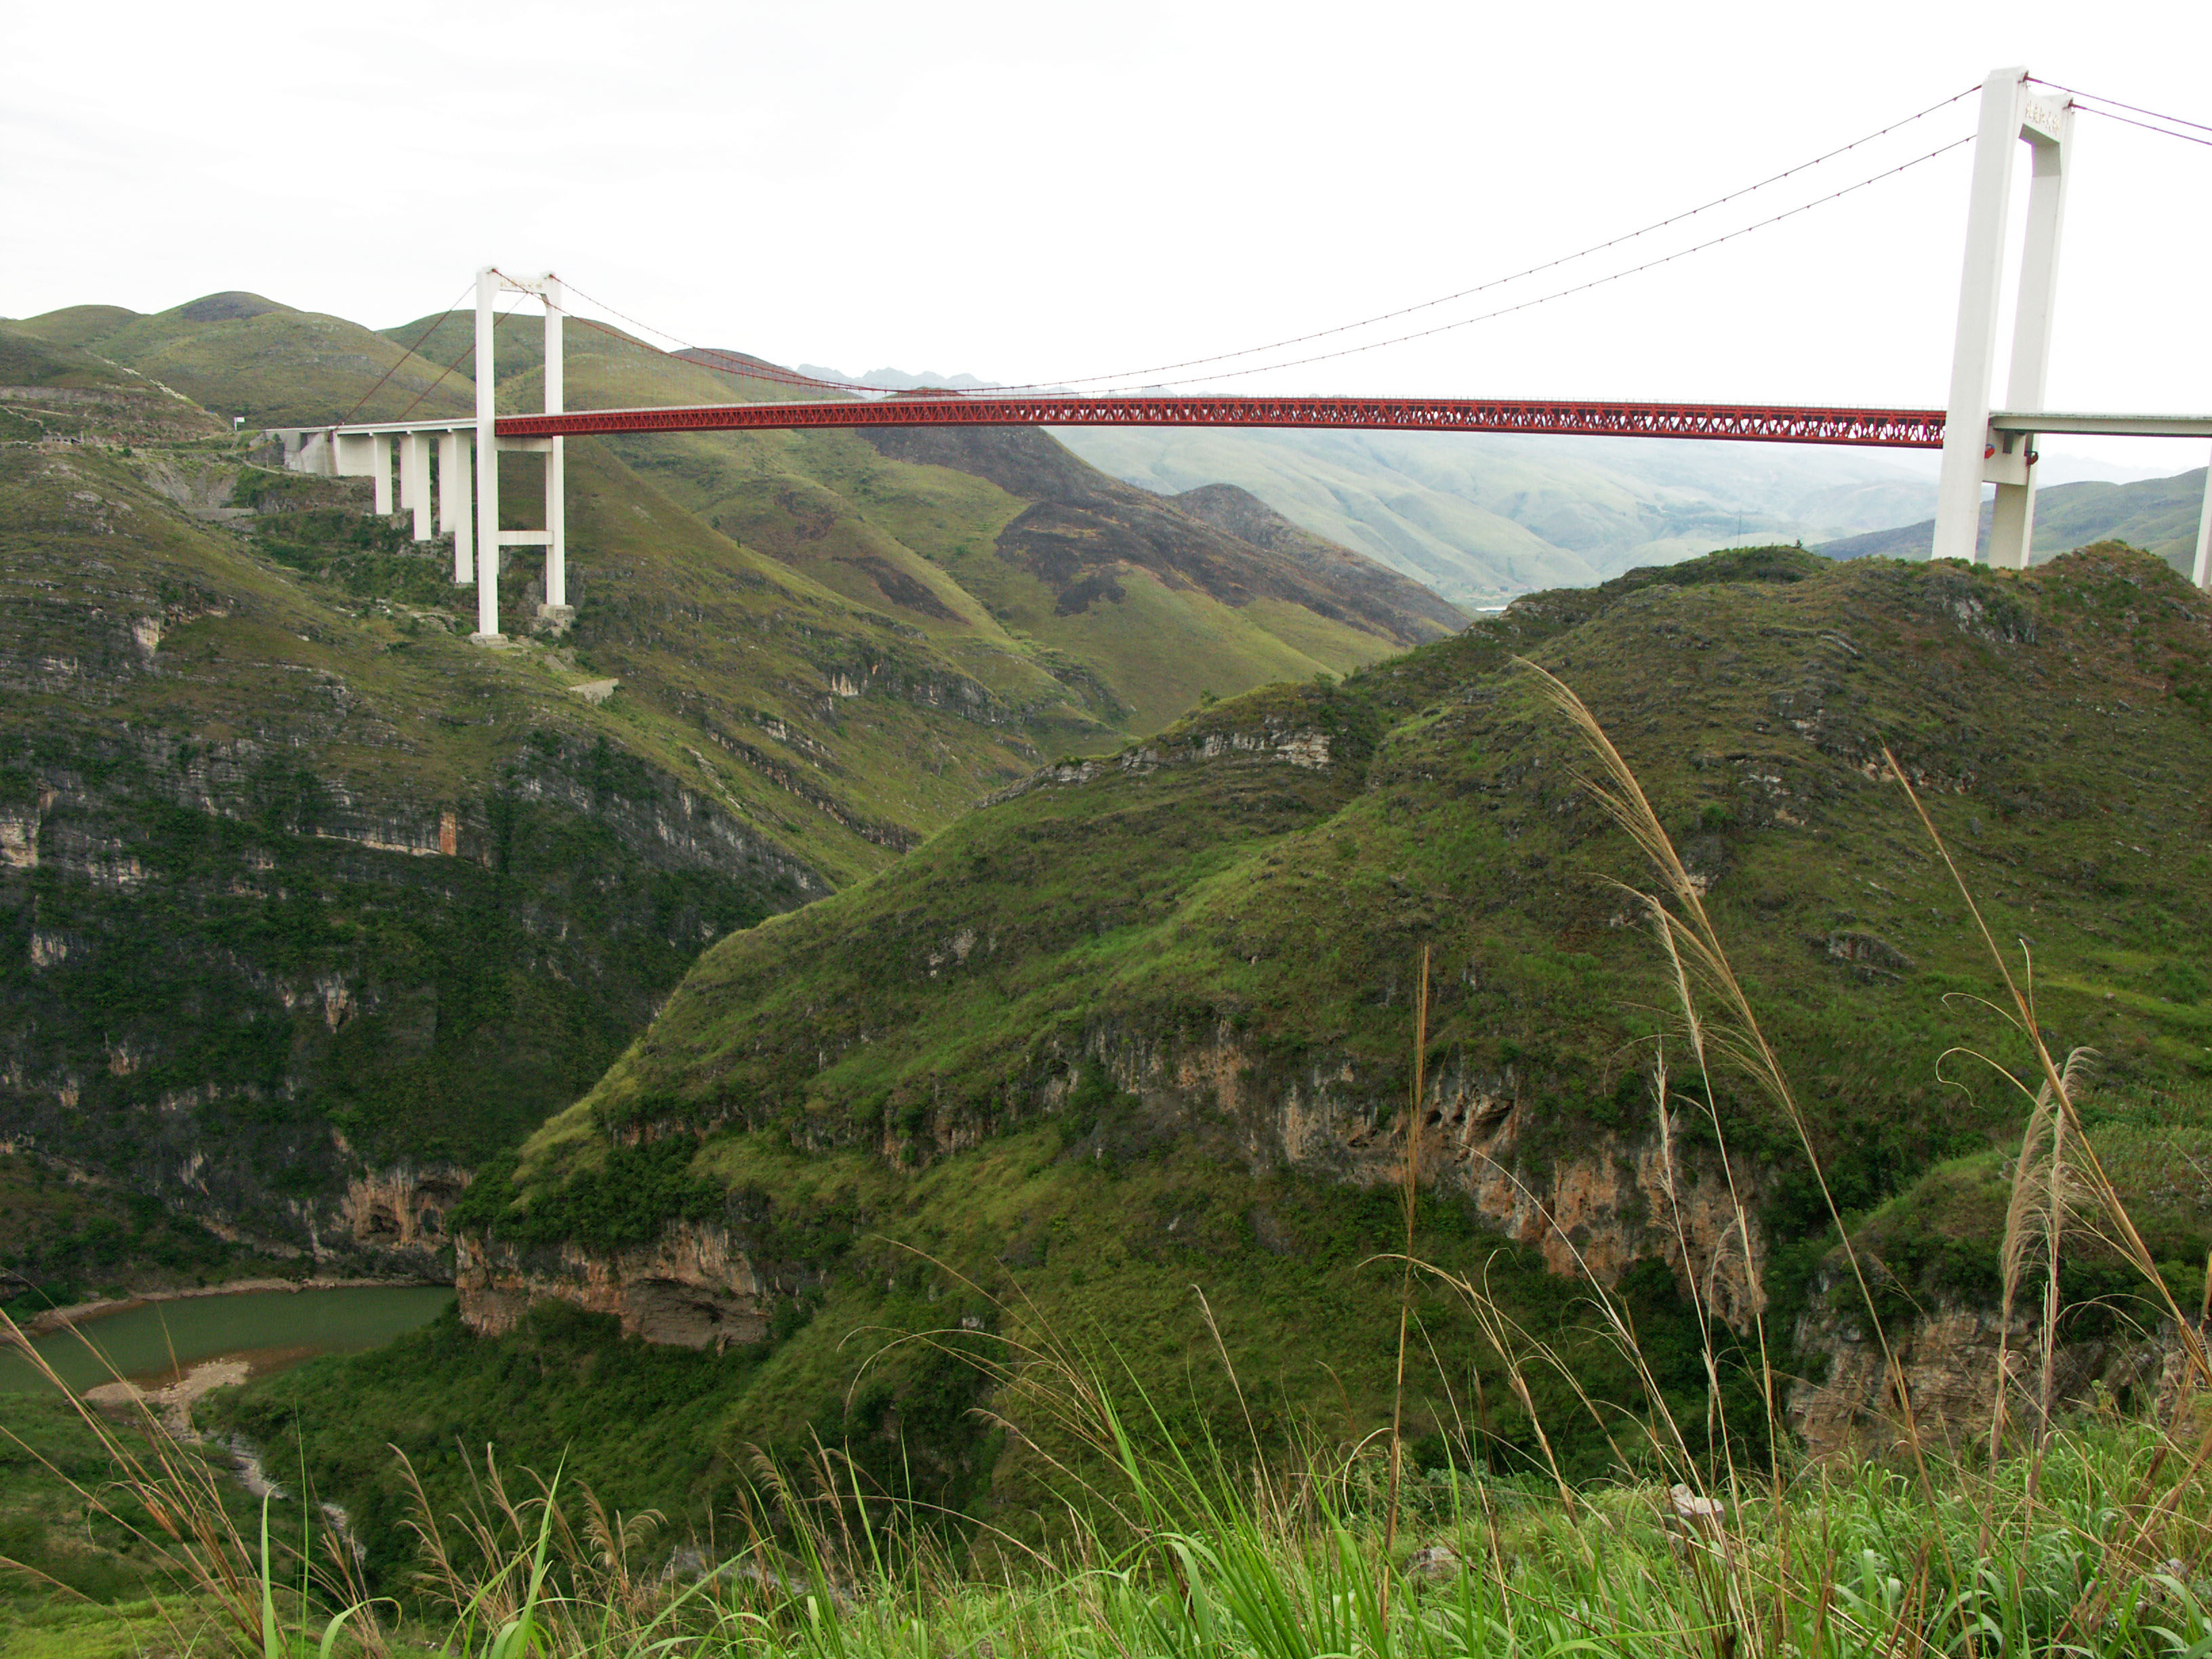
695	1287
1944	1386
401	1211
1617	1200
1273	740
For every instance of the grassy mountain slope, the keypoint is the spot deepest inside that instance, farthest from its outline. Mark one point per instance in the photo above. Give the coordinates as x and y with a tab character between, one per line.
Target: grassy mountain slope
2009	693
1161	605
304	892
1144	1022
28	360
1044	578
239	354
1480	517
298	886
52	389
2157	514
296	882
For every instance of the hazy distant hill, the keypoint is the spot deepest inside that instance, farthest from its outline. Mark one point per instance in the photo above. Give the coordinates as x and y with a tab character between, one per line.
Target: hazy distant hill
2157	514
1480	517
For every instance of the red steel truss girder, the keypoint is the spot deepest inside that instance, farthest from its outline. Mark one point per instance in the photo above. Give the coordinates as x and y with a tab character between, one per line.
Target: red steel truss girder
1897	428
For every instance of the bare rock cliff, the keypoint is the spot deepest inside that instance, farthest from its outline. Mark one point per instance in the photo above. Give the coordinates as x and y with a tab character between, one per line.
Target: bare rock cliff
401	1210
694	1287
1614	1201
1944	1385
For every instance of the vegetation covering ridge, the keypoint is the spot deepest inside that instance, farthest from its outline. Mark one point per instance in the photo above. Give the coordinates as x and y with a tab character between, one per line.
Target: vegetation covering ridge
1143	1024
308	905
1227	1525
1223	921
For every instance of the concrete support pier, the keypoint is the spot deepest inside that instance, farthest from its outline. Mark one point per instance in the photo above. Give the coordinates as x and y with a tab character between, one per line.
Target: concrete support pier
415	481
368	455
457	503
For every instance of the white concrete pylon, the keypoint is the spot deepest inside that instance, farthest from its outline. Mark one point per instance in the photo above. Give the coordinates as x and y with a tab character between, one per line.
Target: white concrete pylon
2202	574
490	283
556	482
2048	127
457	503
487	284
1972	455
415	481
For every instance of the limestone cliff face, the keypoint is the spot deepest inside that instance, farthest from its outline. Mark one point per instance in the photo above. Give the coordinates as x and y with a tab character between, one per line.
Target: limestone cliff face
694	1287
140	865
1945	1383
1275	738
1616	1201
401	1212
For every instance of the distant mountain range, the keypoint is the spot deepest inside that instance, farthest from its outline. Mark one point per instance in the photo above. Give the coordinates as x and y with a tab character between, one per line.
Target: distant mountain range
898	379
2159	514
1482	517
1479	518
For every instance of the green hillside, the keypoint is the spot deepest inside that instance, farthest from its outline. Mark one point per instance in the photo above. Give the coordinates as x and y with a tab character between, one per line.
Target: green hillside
1144	1024
241	355
1429	823
1043	578
2161	514
300	883
52	389
309	905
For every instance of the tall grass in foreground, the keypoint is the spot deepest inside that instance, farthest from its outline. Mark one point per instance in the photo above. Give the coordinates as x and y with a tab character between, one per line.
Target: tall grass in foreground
2051	1534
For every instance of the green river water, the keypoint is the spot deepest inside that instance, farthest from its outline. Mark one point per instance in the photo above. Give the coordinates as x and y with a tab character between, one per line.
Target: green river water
269	1328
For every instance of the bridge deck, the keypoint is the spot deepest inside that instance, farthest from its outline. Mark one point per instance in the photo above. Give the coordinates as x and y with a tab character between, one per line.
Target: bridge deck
1905	429
1897	428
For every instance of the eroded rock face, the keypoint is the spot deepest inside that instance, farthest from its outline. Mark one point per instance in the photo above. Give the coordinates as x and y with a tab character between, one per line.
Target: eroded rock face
693	1288
1944	1384
1617	1201
1594	1215
402	1210
1275	739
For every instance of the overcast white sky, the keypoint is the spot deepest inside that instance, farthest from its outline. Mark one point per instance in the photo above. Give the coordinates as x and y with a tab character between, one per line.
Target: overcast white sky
1038	192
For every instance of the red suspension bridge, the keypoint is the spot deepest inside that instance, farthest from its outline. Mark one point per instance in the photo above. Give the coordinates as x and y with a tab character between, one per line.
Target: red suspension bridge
1914	429
1980	444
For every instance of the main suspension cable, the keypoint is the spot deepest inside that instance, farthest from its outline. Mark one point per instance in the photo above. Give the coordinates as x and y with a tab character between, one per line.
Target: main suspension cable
2132	109
498	316
1598	282
436	323
785	377
746	369
1548	264
738	368
2163	132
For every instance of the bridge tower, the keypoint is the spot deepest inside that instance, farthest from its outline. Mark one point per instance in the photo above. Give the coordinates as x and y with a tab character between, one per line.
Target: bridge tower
490	283
1973	455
